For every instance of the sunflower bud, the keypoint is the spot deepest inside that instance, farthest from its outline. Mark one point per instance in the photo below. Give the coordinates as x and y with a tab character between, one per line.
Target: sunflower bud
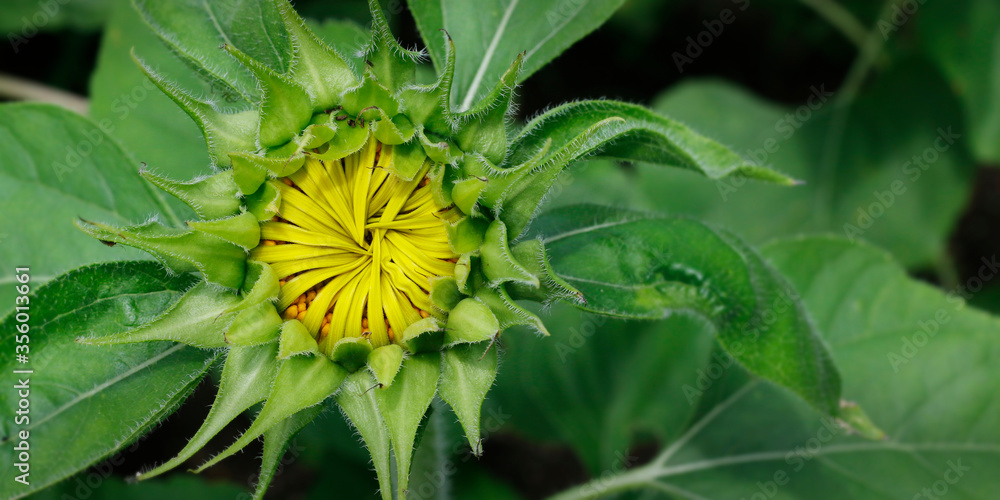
350	247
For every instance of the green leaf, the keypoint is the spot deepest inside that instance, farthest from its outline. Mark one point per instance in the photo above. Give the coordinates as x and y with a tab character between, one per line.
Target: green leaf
502	30
924	367
654	266
56	166
87	402
556	139
963	38
599	383
403	405
867	186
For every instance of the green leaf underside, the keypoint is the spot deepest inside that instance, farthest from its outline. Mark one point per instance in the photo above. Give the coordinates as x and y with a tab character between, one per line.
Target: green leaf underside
503	29
77	169
559	137
932	393
87	402
654	266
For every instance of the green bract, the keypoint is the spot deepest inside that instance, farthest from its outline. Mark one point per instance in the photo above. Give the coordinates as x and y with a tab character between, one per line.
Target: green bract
370	195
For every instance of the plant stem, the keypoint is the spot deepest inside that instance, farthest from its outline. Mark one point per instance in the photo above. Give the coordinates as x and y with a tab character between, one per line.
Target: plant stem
840	18
15	88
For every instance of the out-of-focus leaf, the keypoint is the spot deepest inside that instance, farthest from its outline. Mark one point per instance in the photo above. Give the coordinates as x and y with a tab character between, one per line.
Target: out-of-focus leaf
599	382
652	267
963	37
923	365
23	19
489	34
56	166
86	401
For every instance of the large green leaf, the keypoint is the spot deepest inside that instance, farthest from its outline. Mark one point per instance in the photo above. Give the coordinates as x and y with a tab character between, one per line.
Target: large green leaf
963	37
923	365
489	34
86	401
597	383
56	166
652	266
865	185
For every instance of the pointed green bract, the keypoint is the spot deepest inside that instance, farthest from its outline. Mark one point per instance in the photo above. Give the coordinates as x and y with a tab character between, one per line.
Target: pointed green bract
393	65
357	400
296	340
429	105
351	352
531	254
467	373
483	129
385	362
316	67
241	230
302	381
200	319
507	312
257	325
246	379
469	322
286	107
403	405
180	250
499	264
210	197
224	132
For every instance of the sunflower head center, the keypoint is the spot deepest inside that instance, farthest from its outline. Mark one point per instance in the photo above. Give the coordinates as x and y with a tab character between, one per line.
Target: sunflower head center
356	248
